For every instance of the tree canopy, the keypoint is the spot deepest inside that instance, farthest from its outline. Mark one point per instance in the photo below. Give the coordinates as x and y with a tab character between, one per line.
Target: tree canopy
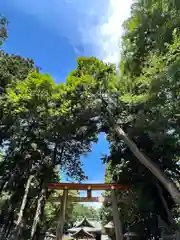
149	86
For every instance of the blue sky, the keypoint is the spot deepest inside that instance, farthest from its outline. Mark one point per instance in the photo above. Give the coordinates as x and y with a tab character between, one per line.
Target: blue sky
53	33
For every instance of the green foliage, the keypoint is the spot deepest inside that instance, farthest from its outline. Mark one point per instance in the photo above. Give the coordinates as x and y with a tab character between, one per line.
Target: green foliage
3	29
12	68
149	101
43	127
80	211
52	211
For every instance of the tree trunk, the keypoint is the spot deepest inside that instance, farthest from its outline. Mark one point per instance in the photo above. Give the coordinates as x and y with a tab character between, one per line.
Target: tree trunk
116	217
153	167
4	179
61	221
2	184
4	212
9	223
10	226
168	212
19	223
35	231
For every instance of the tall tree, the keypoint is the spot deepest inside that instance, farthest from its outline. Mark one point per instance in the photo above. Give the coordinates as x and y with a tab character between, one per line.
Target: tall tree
149	93
3	29
102	87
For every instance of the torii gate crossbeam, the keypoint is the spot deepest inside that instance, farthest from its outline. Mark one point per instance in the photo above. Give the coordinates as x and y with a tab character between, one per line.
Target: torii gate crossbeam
87	186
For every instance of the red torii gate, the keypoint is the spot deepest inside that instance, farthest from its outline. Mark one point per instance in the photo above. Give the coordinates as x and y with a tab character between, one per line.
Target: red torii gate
89	188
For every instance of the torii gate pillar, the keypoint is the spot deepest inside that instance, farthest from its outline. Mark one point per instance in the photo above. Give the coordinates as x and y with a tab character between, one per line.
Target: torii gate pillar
61	221
117	222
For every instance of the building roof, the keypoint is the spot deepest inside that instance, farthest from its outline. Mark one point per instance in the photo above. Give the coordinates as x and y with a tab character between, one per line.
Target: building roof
87	229
82	233
87	226
96	224
84	222
109	225
131	234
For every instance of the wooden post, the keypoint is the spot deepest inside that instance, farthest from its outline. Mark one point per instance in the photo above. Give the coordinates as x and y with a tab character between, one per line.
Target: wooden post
162	232
60	225
177	235
117	222
89	194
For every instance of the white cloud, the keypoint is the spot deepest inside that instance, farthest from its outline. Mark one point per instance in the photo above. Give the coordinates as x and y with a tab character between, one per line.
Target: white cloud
67	18
95	24
107	34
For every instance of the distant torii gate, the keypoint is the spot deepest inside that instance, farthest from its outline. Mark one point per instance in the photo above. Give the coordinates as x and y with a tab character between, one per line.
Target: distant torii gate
87	187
